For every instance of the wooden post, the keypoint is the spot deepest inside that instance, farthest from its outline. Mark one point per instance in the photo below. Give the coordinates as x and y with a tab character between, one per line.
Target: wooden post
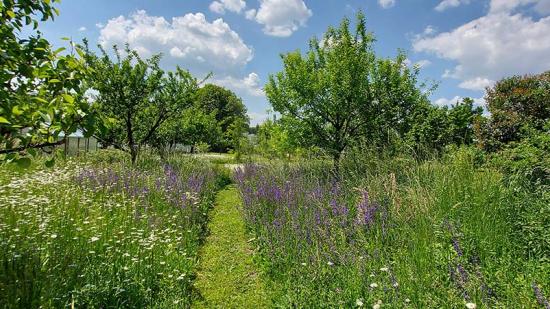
77	146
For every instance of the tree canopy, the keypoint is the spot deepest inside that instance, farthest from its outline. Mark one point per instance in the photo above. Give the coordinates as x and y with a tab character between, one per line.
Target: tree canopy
340	91
517	104
136	97
435	127
41	89
229	111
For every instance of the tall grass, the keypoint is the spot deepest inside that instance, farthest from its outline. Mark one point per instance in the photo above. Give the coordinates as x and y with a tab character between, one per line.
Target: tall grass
396	231
103	234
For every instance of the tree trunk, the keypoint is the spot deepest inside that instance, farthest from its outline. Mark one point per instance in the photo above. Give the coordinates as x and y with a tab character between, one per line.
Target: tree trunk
130	136
336	163
133	154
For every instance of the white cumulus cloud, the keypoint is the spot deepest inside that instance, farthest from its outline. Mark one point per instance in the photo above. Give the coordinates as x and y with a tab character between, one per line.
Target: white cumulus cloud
82	29
447	102
478	83
247	86
423	63
458	99
496	45
280	17
220	6
386	3
250	14
189	41
447	4
500	6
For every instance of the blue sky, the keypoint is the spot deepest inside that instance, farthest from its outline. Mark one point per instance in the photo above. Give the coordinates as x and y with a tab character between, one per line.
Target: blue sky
464	45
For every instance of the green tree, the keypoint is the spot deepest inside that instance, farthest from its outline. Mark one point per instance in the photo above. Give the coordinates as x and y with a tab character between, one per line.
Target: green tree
198	127
430	131
192	127
399	99
276	139
516	133
228	109
340	92
41	90
518	105
435	127
137	97
462	118
237	137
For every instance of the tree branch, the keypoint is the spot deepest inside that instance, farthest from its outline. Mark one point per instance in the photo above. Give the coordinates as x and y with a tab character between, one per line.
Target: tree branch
160	119
36	146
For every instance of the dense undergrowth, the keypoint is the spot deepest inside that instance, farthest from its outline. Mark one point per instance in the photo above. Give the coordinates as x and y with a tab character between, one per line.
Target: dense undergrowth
100	233
394	231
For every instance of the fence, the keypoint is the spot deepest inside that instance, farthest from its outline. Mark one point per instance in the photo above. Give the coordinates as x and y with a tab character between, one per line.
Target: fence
74	146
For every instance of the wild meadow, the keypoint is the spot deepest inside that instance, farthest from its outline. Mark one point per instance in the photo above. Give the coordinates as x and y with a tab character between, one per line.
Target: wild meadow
99	234
356	189
393	233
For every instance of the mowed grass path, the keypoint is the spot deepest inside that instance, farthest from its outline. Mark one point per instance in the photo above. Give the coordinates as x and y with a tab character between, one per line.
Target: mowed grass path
228	276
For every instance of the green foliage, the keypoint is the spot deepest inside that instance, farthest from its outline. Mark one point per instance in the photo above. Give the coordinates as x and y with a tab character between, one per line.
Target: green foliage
42	90
340	92
202	147
275	139
109	156
136	97
434	128
399	100
462	118
192	127
236	134
518	105
527	159
530	218
516	134
229	112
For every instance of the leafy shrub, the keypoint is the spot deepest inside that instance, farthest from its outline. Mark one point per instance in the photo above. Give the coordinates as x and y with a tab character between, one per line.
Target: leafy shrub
108	156
519	106
202	147
527	159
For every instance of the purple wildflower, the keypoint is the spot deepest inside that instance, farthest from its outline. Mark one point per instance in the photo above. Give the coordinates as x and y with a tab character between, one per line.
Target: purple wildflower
366	211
